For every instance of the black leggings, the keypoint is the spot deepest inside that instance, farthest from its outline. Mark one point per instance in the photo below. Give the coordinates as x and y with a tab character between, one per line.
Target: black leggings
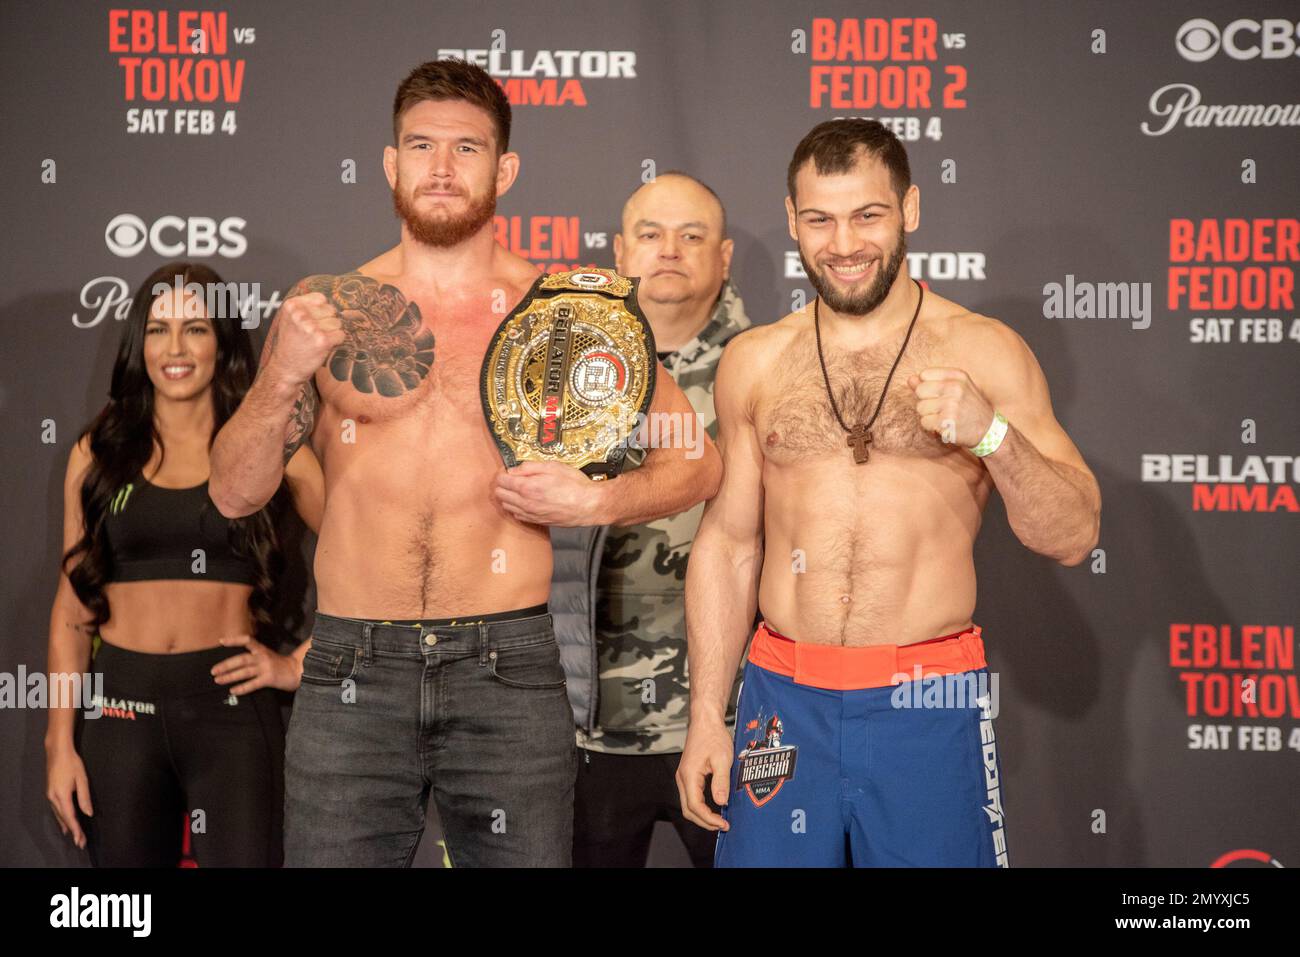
170	754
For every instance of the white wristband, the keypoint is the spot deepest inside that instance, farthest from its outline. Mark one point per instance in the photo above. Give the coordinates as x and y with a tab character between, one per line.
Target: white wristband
993	437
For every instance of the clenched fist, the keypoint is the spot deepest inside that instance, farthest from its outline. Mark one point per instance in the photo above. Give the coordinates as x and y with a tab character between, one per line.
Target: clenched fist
307	329
951	405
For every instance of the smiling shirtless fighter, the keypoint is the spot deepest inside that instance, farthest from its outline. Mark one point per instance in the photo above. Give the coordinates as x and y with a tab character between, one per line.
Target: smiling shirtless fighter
850	521
433	663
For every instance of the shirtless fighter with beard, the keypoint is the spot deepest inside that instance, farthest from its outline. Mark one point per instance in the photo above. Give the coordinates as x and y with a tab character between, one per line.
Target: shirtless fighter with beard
861	438
433	663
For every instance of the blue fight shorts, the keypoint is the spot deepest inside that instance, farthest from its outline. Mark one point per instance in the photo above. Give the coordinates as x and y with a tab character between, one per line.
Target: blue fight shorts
880	756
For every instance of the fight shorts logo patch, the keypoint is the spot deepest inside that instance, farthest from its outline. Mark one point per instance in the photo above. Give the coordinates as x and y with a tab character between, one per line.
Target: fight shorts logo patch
765	763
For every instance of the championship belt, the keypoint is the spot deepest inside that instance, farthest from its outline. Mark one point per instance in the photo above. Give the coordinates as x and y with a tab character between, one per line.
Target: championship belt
569	372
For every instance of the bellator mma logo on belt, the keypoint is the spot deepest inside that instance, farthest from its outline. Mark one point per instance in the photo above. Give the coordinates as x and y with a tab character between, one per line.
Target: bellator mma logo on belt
570	373
764	768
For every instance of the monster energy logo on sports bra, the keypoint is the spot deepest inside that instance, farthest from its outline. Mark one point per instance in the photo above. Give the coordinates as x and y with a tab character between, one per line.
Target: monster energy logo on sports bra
119	500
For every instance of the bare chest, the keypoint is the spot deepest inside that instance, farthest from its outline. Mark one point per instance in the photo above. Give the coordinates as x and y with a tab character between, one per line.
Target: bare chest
796	421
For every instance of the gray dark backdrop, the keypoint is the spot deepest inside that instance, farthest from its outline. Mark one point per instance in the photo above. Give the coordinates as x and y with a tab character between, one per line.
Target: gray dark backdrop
1050	174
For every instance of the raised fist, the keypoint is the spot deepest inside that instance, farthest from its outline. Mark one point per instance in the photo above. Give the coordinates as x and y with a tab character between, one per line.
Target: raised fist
307	329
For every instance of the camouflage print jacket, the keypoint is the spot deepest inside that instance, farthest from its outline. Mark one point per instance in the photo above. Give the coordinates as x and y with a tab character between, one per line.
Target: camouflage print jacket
617	594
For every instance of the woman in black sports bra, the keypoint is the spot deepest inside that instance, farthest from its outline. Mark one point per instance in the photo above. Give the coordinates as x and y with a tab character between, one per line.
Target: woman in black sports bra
187	744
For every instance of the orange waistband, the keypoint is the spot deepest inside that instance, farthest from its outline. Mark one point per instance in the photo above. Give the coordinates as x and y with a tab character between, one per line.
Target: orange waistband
837	668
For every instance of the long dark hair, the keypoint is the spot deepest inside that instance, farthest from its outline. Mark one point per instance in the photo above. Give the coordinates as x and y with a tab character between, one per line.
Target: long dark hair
124	433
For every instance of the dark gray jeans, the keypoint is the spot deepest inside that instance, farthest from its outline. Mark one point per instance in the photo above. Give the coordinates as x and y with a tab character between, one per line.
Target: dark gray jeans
476	712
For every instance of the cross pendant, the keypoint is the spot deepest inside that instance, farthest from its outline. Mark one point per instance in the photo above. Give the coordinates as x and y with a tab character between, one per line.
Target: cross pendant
859	439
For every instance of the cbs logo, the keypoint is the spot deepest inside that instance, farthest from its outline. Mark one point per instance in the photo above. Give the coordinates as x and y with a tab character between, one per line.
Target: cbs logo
1198	40
127	235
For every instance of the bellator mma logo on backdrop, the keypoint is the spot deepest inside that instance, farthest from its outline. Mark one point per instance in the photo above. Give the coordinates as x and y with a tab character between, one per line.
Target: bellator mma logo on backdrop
1238	671
921	266
179	57
1230	483
879	64
546	77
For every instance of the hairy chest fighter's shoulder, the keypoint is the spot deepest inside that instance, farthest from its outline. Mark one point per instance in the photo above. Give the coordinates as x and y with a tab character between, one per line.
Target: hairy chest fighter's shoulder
993	354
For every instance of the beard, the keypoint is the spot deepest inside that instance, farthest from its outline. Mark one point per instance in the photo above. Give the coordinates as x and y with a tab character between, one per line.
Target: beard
865	300
443	229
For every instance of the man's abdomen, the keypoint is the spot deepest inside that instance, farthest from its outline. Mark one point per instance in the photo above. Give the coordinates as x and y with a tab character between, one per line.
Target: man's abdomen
428	557
869	558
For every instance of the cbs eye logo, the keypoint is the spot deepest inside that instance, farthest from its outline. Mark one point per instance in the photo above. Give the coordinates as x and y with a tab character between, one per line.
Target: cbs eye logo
1274	39
1197	40
127	235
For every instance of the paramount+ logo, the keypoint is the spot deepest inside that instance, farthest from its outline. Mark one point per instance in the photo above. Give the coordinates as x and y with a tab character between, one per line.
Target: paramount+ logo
127	235
1273	39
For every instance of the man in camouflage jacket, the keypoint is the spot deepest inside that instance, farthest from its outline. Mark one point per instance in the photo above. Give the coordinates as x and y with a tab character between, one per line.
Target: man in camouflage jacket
617	593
